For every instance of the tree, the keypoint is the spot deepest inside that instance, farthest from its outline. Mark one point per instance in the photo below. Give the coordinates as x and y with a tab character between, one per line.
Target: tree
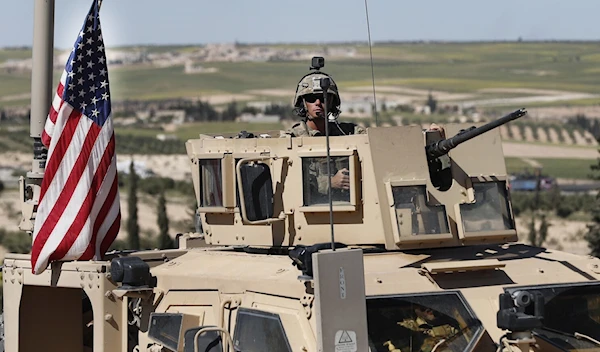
543	230
593	234
230	113
133	230
532	231
431	102
164	240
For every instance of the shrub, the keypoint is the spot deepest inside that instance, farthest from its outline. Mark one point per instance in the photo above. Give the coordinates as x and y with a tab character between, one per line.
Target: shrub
16	242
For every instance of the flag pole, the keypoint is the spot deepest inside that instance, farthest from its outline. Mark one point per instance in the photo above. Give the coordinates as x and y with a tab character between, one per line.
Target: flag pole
41	99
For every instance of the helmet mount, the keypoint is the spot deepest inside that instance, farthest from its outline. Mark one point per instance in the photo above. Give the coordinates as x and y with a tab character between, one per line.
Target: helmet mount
316	82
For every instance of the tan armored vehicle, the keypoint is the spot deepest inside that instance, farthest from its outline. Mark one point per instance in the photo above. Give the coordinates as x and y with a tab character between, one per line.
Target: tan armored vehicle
423	259
417	253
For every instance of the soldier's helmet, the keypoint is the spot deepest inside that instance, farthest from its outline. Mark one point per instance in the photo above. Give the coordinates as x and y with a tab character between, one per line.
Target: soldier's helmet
311	84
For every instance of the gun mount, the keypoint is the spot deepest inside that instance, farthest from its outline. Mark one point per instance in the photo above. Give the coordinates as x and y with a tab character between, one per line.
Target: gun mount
437	148
273	191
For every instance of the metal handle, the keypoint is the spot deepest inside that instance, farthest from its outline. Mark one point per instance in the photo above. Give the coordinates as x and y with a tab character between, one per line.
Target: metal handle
214	328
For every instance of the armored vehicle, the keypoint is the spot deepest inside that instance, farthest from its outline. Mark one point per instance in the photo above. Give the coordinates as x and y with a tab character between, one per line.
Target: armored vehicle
418	253
425	258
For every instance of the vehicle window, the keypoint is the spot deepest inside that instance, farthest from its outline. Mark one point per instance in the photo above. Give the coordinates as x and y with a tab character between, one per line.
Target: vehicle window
211	183
420	323
426	219
257	331
570	309
490	212
315	180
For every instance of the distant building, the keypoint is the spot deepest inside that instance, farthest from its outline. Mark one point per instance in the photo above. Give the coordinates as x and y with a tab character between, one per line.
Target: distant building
258	118
139	166
7	176
166	137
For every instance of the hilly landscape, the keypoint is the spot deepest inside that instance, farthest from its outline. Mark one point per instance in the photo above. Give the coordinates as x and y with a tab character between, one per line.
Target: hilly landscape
157	90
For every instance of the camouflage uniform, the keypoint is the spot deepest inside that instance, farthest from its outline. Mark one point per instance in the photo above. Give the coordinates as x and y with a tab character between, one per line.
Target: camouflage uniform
432	334
301	129
316	170
316	177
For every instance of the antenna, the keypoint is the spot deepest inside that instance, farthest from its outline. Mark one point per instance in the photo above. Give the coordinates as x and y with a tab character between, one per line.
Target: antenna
372	70
325	83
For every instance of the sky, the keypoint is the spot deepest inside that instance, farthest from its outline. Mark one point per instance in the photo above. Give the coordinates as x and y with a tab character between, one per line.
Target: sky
126	22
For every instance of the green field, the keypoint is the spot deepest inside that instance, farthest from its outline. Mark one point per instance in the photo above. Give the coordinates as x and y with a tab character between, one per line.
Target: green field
558	168
453	67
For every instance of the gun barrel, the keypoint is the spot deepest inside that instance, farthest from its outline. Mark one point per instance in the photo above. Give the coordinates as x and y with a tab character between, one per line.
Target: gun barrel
442	147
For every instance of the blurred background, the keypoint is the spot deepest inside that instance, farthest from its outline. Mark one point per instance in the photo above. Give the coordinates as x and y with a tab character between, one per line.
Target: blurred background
188	67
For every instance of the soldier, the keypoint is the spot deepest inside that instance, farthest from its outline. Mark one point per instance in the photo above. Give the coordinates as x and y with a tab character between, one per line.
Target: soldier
434	327
308	104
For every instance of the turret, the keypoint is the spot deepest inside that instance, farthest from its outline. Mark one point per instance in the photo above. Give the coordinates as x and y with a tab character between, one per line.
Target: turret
271	191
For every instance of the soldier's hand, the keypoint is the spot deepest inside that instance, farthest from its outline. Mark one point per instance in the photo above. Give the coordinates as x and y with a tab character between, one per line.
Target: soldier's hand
434	127
391	346
409	324
341	180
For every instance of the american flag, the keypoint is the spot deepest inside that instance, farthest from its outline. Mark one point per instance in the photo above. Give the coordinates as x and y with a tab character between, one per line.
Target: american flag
78	215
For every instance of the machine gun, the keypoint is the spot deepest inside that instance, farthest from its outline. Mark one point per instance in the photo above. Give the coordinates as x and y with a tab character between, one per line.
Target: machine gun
437	148
443	146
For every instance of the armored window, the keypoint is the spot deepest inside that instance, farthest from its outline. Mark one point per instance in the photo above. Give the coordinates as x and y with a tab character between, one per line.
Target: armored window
257	331
490	211
420	322
412	209
211	183
315	182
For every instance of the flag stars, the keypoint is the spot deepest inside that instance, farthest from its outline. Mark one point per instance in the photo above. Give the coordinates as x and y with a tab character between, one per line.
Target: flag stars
100	47
101	59
82	106
94	100
81	93
71	86
79	69
103	84
90	41
81	34
103	72
71	74
89	52
91	76
90	17
95	113
93	89
80	57
104	96
79	46
90	64
80	81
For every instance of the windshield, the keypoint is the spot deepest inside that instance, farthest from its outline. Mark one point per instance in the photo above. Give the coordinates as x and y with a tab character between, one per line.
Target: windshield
570	309
419	323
